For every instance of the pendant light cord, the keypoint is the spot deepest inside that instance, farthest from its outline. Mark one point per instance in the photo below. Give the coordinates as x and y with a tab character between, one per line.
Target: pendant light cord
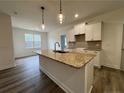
60	6
42	15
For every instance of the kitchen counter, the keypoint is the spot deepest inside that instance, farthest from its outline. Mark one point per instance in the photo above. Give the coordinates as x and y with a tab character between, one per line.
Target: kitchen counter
72	71
93	49
73	59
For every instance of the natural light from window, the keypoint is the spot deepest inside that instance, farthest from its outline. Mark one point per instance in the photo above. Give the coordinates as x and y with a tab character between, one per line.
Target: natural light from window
32	41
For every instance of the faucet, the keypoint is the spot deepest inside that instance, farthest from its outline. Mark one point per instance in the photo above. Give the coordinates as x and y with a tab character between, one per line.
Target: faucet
55	45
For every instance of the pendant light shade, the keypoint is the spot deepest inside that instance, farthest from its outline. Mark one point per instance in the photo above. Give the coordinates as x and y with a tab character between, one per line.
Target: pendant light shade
42	25
61	17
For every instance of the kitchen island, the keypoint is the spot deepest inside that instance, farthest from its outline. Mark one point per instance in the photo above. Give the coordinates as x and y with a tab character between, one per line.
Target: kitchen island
72	71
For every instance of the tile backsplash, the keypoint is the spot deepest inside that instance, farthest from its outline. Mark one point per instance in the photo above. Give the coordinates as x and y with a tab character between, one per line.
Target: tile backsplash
88	45
81	43
94	45
71	45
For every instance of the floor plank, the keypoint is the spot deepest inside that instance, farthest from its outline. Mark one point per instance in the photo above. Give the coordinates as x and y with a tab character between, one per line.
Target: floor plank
26	78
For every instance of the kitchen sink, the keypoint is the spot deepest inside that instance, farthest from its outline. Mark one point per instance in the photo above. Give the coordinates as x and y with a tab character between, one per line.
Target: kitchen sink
60	51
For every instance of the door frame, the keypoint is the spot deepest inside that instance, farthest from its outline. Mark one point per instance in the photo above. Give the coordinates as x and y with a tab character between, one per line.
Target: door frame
122	68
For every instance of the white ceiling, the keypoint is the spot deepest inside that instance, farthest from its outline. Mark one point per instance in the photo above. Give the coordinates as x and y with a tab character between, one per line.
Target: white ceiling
29	12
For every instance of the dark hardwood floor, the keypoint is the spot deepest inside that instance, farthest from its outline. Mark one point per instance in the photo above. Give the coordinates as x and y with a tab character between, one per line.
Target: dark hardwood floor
26	78
108	80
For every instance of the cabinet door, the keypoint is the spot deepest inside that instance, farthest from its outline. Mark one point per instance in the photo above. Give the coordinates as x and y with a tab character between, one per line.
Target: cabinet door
82	28
89	33
93	32
79	29
70	36
97	31
76	30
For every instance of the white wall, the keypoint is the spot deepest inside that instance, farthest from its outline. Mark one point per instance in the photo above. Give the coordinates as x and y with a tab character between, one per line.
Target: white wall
6	42
19	42
112	43
44	41
111	35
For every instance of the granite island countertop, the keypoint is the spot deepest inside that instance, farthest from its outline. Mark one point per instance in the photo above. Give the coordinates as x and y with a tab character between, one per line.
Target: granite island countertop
73	59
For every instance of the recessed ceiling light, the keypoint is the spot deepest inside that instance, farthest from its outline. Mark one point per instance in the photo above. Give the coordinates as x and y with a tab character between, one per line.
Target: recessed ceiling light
76	15
15	13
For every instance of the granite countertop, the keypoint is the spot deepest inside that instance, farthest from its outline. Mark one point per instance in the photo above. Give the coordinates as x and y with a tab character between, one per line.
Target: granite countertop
73	59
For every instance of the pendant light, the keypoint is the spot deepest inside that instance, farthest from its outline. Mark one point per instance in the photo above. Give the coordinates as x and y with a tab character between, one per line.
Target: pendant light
42	25
60	15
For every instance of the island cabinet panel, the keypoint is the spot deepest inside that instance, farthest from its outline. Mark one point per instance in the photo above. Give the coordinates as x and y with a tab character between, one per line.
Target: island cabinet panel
89	76
70	79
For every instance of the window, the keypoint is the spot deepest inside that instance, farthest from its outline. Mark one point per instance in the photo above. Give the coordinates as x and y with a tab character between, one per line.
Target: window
37	41
29	40
32	41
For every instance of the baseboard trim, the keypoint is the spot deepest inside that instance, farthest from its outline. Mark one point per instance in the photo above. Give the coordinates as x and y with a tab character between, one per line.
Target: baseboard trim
111	68
24	57
7	67
98	67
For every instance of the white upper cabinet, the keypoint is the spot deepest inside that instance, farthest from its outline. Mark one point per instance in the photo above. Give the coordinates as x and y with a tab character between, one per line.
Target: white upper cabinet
79	29
89	33
93	32
70	36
